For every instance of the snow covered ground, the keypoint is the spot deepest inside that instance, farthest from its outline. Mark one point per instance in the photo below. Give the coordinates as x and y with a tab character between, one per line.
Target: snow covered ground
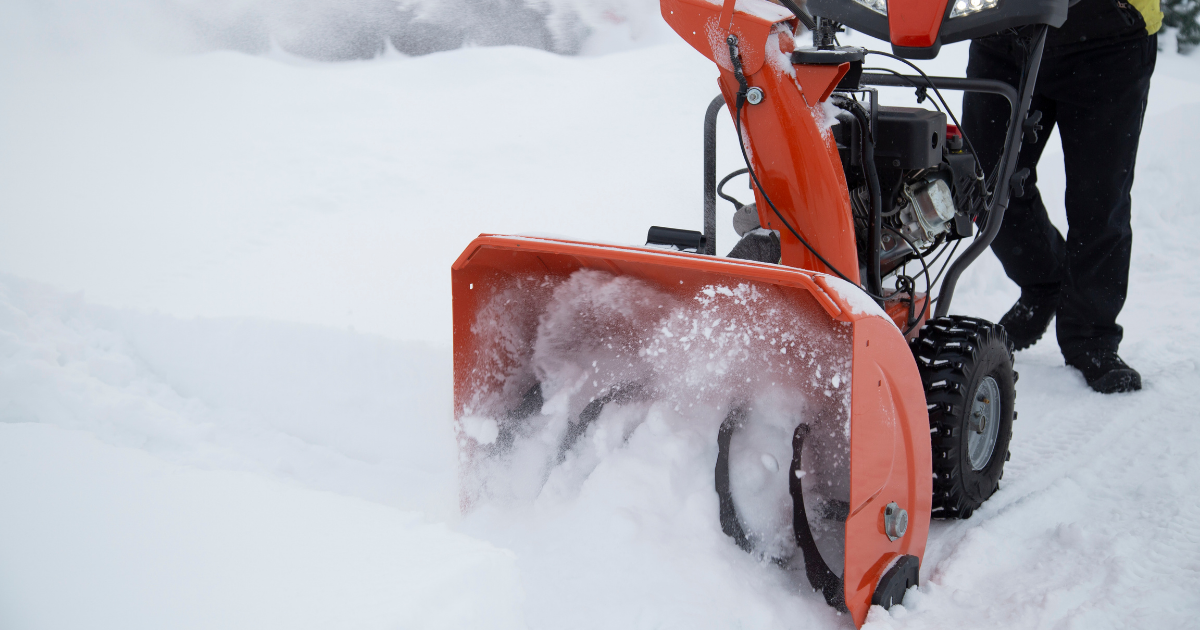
225	369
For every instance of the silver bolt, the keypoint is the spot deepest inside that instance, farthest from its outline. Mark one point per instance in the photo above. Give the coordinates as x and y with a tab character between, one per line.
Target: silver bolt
754	96
895	521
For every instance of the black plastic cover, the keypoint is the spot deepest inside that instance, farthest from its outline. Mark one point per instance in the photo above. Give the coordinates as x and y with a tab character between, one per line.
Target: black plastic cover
831	57
909	137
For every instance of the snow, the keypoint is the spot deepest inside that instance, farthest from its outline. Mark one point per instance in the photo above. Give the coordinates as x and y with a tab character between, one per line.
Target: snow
668	372
225	366
854	297
109	537
763	9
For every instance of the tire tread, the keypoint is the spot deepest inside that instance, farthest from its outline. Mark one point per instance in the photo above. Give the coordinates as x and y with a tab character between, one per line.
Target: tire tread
946	350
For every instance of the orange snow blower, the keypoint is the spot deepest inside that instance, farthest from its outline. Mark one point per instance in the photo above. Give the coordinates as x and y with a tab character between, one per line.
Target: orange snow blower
846	416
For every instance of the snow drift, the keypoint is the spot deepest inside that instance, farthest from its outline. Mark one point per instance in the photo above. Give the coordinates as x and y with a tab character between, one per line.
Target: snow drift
210	418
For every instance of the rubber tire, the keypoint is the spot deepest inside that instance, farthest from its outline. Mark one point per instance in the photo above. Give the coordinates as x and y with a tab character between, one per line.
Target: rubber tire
953	355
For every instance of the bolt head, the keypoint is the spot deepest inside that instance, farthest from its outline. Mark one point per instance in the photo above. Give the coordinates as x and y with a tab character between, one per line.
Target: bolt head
754	96
895	521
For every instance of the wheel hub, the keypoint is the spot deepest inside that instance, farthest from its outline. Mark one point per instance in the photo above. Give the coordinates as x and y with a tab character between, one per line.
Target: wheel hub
983	423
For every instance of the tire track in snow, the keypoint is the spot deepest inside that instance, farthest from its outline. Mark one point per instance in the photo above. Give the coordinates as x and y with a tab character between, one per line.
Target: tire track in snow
1096	523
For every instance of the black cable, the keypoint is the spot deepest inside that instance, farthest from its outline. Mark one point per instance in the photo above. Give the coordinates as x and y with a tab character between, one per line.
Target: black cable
937	242
912	324
892	200
874	280
791	229
736	59
933	261
947	263
737	205
907	285
921	94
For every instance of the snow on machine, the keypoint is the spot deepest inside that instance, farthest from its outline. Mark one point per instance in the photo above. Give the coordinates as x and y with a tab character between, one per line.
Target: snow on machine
849	408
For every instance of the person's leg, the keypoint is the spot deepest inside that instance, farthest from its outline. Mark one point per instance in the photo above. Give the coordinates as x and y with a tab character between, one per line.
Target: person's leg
1100	120
1028	245
1102	99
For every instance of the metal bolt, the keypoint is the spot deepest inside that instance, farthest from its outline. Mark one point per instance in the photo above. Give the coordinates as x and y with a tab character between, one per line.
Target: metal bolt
978	422
895	521
754	96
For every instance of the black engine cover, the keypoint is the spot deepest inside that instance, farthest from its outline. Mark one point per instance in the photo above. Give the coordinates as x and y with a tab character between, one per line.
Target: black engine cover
909	137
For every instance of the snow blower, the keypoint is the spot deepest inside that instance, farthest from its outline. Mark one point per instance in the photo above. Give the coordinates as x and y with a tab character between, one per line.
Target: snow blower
849	408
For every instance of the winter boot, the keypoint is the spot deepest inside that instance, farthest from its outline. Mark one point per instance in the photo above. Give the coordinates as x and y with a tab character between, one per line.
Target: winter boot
1029	318
1105	372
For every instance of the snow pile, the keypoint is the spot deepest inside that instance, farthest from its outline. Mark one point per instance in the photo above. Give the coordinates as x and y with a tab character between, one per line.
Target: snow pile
209	473
115	538
331	410
626	489
634	381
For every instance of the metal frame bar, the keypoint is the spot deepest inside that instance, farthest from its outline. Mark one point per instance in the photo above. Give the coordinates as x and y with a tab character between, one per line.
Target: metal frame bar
710	175
988	86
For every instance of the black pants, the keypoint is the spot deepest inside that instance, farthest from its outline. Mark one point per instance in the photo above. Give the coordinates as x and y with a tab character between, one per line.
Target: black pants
1097	98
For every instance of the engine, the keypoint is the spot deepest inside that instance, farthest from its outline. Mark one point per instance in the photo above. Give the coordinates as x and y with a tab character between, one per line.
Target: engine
930	193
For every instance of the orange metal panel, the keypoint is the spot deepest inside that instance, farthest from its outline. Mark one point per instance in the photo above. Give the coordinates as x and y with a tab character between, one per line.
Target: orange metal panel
817	82
705	26
890	459
790	148
915	23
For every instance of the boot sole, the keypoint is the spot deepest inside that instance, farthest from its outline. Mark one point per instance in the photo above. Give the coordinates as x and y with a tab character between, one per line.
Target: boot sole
1118	382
